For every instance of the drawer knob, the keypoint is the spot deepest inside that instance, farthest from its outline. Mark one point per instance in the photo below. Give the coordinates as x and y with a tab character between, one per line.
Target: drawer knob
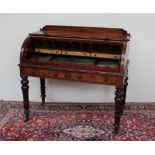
79	77
55	74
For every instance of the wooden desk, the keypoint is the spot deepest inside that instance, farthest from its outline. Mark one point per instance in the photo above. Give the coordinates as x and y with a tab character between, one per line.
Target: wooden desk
85	54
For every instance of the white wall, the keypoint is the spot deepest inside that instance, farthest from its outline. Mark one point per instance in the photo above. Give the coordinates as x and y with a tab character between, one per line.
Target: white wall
15	27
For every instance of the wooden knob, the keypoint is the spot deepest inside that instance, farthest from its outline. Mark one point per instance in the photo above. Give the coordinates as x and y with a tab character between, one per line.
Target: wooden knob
55	74
80	77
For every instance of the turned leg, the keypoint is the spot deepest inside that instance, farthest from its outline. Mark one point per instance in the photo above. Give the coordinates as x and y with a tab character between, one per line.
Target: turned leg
42	88
119	101
125	88
25	89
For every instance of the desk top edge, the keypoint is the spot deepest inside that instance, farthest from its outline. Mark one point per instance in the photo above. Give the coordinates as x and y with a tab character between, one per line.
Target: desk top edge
116	34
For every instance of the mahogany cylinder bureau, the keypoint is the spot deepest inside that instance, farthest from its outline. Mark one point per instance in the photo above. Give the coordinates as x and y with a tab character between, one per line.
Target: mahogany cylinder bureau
85	54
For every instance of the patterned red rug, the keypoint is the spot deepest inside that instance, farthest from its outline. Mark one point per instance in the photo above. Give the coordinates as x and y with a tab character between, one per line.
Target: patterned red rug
88	122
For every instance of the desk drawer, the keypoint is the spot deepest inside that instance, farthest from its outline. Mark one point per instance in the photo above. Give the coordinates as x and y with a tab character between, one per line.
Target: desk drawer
57	74
92	78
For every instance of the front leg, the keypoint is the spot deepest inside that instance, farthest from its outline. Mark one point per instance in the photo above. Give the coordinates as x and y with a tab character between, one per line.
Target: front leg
25	89
125	89
42	88
119	101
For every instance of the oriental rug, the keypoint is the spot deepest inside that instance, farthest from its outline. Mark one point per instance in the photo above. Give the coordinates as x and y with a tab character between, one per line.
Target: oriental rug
76	122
